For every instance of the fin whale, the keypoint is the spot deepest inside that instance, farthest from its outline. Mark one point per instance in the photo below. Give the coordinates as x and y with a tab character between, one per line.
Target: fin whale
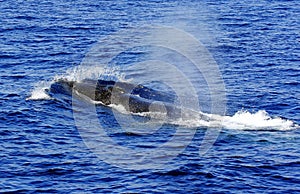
135	98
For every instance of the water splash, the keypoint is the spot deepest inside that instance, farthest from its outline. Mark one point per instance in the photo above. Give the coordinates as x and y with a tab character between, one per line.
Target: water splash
260	120
241	120
39	92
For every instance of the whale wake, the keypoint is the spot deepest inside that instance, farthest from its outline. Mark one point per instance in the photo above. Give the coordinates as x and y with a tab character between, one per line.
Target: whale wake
142	101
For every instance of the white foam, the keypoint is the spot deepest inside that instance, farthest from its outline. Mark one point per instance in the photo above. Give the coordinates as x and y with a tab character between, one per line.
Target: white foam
242	120
120	108
40	91
256	121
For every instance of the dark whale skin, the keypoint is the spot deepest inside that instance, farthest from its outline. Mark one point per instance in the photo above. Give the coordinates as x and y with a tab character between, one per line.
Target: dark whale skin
135	98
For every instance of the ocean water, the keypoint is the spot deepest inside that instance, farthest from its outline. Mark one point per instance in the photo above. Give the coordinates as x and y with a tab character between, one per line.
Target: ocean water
54	142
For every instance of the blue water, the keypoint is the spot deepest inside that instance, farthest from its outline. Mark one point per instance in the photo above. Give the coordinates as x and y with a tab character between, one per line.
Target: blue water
256	46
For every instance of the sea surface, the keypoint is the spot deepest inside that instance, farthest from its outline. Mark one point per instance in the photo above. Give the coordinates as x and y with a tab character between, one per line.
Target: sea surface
252	145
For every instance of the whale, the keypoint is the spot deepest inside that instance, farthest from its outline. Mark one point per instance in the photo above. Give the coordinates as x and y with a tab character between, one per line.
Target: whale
135	98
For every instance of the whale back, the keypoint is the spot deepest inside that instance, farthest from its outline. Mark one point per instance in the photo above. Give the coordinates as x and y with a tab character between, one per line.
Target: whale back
135	98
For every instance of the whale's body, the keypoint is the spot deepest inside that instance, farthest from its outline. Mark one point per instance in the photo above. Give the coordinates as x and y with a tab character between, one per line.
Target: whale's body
134	98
